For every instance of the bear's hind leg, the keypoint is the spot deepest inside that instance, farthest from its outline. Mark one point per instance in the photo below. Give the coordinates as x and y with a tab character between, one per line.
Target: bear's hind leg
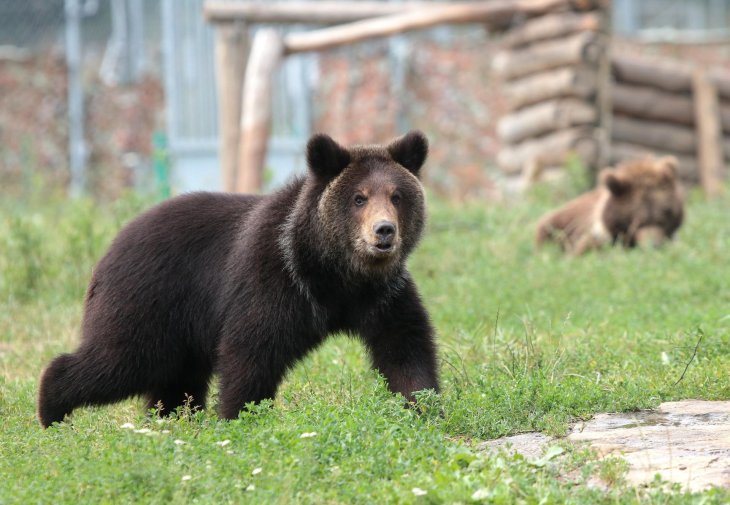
192	392
73	380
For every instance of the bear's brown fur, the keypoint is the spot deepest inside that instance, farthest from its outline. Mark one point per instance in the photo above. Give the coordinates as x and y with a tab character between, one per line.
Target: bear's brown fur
244	286
637	202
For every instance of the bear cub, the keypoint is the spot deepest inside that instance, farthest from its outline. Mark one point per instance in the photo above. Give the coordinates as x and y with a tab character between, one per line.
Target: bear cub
243	286
639	202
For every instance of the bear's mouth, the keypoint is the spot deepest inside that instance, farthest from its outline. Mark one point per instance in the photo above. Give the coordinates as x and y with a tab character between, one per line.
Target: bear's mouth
381	250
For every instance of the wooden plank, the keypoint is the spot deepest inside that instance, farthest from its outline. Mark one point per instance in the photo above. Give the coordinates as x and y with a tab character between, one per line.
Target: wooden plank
231	54
267	51
709	145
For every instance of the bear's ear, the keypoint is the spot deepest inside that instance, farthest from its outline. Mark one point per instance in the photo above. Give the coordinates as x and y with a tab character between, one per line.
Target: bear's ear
410	150
616	184
669	165
325	157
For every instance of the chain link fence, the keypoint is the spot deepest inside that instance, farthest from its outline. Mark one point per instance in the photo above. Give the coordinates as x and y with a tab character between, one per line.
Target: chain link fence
78	68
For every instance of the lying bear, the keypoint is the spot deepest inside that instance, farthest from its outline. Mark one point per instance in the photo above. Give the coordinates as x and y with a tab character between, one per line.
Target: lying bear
638	202
244	286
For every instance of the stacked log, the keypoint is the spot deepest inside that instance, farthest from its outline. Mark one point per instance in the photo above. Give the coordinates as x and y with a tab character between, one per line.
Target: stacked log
657	109
553	66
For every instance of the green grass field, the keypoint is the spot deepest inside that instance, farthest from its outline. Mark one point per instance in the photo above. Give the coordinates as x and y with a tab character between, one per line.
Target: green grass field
529	340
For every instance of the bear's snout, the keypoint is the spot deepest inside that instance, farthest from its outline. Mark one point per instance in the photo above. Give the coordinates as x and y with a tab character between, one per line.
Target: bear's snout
385	234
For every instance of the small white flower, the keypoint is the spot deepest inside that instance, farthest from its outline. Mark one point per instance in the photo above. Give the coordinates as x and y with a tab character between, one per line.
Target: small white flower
335	362
143	430
308	434
229	451
186	477
127	426
256	471
665	358
250	487
179	442
223	443
480	494
418	491
165	431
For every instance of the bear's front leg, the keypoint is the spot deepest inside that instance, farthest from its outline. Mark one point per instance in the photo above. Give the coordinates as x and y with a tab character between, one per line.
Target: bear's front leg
400	339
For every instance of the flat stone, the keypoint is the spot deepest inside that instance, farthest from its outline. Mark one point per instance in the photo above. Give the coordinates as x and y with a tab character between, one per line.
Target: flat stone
686	442
530	445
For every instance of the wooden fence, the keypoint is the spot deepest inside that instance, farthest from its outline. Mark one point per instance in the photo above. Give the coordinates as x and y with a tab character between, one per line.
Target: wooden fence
566	92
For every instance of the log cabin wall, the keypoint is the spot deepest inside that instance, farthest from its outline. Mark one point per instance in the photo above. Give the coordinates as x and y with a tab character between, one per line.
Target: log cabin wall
658	109
555	67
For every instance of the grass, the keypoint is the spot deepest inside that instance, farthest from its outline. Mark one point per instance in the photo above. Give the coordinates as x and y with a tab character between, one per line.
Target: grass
529	340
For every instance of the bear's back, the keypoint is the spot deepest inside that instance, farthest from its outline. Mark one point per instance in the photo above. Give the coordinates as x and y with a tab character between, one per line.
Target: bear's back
165	264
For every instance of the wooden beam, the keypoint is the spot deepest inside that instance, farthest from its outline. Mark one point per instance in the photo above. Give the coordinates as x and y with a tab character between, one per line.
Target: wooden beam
544	118
652	103
669	75
231	54
550	150
267	51
582	48
552	26
709	145
657	135
325	12
578	82
496	12
500	12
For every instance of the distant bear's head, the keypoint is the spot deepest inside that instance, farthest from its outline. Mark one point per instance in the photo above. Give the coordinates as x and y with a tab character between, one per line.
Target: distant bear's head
645	200
371	206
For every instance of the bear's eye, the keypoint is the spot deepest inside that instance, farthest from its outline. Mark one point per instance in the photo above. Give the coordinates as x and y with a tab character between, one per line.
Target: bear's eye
360	200
395	199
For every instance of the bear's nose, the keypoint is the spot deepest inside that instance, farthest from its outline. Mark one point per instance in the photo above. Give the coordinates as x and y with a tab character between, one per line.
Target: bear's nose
385	231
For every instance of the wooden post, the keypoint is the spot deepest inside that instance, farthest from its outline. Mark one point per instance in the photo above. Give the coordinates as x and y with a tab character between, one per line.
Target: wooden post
231	53
709	141
267	51
603	99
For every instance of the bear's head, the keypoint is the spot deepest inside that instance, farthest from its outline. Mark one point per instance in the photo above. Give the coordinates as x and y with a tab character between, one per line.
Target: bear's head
645	201
371	206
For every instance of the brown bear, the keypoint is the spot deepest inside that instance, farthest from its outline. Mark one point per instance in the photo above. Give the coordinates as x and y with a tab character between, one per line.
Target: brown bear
638	202
246	285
